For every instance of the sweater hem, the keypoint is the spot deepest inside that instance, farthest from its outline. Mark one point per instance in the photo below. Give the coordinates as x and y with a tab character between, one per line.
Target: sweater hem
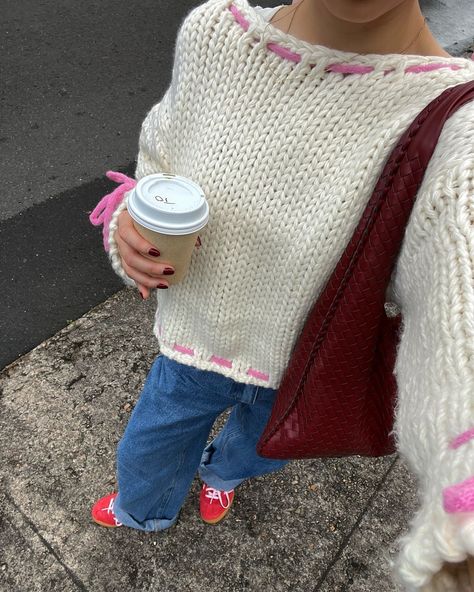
198	361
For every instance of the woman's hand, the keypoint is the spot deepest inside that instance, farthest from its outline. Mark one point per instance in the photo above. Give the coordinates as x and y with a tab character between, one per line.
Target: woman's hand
140	259
457	577
462	573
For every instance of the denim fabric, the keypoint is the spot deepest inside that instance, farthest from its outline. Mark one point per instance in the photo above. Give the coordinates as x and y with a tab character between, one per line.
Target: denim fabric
164	443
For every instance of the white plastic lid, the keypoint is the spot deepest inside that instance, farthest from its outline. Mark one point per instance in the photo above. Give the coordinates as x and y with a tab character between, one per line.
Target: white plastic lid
169	204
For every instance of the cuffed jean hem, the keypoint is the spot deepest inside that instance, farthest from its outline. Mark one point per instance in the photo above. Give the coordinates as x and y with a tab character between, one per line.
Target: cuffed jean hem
210	478
149	525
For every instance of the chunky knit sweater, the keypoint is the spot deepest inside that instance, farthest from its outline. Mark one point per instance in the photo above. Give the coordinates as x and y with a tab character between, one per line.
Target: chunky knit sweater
287	140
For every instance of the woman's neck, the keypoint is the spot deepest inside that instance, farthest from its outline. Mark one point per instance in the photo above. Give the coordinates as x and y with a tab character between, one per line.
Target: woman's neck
392	32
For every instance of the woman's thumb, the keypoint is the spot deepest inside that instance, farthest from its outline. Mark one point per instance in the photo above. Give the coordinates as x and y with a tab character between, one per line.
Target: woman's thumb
144	291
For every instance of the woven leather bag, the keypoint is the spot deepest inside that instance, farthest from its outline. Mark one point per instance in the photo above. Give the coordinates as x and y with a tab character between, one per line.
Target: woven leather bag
338	392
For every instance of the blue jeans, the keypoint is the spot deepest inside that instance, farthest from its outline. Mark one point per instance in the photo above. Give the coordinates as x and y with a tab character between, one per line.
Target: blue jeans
162	446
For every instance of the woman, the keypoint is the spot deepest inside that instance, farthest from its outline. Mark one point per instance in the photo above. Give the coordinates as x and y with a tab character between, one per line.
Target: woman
286	124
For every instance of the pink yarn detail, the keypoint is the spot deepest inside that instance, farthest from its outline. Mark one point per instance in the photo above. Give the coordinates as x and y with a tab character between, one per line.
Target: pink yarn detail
239	17
429	67
339	68
460	497
183	350
462	439
257	374
221	361
349	68
284	52
103	211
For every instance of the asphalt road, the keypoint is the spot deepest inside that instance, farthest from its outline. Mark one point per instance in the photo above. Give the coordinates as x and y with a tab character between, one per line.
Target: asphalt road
77	79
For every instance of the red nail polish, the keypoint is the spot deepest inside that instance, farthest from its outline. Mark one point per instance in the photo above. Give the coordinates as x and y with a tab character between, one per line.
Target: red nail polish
154	252
141	295
168	271
161	286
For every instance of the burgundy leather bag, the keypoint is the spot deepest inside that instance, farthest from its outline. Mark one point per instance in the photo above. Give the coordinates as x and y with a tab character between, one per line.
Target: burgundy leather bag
338	392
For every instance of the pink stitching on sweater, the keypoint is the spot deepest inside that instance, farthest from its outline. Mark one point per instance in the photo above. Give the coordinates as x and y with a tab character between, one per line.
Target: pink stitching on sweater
428	67
239	17
340	68
459	497
103	211
257	374
462	439
183	350
221	361
284	52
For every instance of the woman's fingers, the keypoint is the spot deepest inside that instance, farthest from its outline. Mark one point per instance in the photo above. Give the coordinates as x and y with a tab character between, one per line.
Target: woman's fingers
470	567
128	233
134	251
143	279
143	265
144	291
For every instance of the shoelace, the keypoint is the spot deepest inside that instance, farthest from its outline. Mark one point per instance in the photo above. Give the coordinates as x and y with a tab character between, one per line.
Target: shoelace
110	510
214	494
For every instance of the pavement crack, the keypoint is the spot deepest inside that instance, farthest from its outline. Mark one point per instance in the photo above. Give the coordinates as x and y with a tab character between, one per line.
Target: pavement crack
77	581
356	525
74	380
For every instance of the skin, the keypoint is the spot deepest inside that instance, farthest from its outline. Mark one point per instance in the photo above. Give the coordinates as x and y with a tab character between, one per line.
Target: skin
145	269
360	26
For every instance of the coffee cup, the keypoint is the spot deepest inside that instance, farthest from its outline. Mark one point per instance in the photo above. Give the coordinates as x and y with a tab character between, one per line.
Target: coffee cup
169	211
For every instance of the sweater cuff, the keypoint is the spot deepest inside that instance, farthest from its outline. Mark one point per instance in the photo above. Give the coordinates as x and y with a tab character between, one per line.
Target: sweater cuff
435	539
114	254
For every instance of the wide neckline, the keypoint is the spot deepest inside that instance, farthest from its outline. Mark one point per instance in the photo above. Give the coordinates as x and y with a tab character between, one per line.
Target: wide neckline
314	51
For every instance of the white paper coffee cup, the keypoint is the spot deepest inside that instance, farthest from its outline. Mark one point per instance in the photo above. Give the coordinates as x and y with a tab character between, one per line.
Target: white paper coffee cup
169	211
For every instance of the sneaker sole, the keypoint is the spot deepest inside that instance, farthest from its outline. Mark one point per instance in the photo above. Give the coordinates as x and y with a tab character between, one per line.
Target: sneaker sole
106	525
221	517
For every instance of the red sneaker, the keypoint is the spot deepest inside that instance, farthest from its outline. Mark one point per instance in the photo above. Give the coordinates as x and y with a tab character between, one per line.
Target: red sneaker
103	511
214	504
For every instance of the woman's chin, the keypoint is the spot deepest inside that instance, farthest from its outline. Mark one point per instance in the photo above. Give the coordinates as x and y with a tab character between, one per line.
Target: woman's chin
360	11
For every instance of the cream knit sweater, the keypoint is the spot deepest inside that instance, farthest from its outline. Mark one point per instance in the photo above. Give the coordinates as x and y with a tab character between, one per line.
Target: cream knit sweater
287	140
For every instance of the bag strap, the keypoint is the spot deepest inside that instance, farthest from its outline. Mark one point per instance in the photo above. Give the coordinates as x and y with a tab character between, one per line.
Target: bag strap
401	176
358	284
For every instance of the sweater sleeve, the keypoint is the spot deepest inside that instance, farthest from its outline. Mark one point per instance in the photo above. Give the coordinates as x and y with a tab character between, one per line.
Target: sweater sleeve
155	146
153	157
434	419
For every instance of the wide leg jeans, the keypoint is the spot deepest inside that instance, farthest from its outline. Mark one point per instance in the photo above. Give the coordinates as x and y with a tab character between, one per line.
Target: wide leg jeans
164	443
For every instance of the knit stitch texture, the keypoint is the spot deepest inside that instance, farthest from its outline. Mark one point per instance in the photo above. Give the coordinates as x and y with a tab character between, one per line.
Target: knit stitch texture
288	140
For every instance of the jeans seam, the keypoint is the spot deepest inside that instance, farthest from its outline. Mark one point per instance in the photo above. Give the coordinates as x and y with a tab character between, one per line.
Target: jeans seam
255	396
175	478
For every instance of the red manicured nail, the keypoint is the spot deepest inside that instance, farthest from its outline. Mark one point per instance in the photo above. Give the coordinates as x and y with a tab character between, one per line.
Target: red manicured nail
161	286
142	297
154	252
168	271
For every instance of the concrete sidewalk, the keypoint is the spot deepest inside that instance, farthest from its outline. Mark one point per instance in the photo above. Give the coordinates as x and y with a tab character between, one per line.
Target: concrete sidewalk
316	525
